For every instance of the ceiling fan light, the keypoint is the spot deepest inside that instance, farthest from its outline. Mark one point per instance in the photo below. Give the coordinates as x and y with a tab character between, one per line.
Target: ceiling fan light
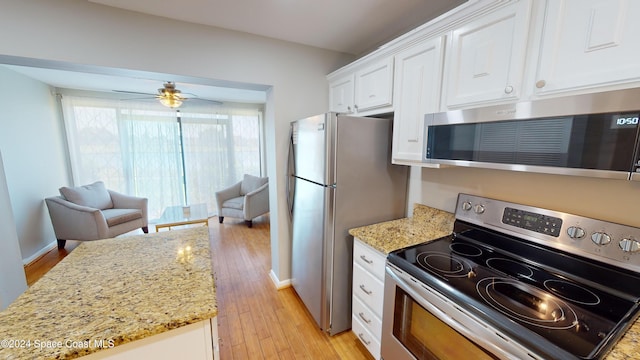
171	101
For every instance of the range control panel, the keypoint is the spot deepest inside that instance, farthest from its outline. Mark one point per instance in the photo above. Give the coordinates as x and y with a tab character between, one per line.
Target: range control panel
543	224
616	244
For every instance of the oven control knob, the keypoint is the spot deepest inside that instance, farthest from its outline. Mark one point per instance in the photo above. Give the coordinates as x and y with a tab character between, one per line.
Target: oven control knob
600	238
629	245
478	209
575	232
466	206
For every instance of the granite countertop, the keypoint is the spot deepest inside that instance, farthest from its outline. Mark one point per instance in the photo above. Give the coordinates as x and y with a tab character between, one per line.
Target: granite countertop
426	224
429	224
115	291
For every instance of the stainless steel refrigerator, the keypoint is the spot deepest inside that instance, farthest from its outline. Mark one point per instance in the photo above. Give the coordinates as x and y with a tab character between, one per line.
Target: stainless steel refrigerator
340	177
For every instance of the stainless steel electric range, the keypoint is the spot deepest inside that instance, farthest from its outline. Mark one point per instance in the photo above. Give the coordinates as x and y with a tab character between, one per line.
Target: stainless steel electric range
513	281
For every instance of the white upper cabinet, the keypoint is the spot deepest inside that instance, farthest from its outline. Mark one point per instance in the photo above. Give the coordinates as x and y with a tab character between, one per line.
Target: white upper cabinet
589	44
418	74
374	86
341	95
486	58
364	90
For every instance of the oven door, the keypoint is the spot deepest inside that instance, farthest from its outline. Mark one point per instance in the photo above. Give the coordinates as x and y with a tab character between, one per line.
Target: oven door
420	323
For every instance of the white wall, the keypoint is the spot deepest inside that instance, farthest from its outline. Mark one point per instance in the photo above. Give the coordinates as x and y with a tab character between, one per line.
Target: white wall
611	200
78	31
33	147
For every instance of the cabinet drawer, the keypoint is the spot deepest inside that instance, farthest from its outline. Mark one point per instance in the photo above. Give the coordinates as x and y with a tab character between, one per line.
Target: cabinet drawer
368	319
365	337
368	289
370	259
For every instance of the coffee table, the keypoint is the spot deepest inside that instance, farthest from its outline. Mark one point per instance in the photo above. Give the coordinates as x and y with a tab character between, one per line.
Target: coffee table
177	215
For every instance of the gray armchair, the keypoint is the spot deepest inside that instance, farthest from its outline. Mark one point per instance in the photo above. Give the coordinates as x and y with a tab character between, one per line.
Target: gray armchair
246	199
92	212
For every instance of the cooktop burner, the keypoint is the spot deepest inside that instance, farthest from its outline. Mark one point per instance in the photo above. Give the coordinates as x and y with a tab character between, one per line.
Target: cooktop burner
443	264
465	249
573	292
526	304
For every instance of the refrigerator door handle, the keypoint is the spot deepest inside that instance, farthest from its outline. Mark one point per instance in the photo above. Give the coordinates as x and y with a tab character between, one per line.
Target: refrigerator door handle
291	169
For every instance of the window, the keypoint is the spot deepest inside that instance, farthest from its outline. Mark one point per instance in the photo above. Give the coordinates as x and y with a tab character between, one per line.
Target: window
172	157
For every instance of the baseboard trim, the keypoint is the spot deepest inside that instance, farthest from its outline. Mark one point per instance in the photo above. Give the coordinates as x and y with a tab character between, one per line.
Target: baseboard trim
279	284
42	252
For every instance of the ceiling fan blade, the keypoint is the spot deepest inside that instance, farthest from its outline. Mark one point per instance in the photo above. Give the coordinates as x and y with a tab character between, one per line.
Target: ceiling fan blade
134	92
139	98
201	99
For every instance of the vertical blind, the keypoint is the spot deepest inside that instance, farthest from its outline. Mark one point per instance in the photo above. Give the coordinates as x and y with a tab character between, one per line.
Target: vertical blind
138	147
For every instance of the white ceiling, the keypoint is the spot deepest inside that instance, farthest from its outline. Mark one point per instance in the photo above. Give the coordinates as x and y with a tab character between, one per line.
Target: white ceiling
350	26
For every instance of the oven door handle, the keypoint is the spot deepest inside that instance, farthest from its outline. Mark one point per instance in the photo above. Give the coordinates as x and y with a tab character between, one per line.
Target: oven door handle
418	296
471	328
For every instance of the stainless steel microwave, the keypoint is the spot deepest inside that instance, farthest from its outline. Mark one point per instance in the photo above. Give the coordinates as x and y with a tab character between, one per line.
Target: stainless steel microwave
594	135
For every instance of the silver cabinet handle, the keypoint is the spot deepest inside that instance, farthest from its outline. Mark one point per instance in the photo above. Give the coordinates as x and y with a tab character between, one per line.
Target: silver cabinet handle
508	89
365	290
540	84
368	321
364	258
361	336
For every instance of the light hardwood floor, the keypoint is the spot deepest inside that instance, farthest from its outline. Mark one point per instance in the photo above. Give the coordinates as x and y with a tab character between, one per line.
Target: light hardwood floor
255	320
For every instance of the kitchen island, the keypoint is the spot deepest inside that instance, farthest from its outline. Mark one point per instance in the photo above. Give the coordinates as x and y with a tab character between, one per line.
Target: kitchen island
115	294
428	224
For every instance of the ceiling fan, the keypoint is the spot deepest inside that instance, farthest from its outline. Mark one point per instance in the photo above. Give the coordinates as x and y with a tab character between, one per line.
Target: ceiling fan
170	96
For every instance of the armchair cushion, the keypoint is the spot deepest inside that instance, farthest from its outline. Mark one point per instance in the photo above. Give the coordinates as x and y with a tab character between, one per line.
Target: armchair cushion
93	195
251	183
120	216
234	203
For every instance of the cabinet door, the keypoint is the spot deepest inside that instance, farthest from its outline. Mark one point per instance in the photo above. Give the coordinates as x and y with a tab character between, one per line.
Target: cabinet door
417	90
588	43
487	57
374	86
341	95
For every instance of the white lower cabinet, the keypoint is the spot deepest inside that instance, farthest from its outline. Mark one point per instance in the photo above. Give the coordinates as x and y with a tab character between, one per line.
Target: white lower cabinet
194	341
367	318
368	340
368	295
